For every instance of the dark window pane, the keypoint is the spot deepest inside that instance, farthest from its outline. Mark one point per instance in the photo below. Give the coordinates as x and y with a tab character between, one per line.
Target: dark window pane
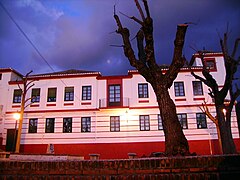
69	94
67	125
144	122
33	125
35	95
49	128
52	92
86	124
17	96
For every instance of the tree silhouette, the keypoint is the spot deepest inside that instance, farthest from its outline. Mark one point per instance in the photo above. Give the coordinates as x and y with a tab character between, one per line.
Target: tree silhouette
223	108
175	140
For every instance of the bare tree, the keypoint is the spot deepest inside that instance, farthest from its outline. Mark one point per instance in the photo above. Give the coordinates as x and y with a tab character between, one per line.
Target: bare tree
26	86
223	109
175	140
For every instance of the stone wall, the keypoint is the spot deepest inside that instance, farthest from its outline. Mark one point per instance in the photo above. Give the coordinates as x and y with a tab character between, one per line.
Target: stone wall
195	167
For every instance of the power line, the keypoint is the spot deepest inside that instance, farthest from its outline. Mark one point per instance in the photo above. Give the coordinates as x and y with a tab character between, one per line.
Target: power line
25	35
36	49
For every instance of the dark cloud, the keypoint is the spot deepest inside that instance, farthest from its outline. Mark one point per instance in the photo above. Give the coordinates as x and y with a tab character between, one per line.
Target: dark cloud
77	34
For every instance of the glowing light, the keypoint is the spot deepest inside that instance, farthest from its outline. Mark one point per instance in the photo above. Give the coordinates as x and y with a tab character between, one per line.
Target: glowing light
224	112
16	116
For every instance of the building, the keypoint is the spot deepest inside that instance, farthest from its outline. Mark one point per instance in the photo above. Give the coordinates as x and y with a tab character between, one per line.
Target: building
83	112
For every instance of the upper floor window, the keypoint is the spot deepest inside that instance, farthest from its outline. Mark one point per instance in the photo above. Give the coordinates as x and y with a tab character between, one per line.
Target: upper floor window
0	76
179	89
144	122
17	96
143	90
52	94
114	95
86	124
197	88
67	125
183	120
49	127
69	94
35	95
210	64
86	92
115	123
160	125
33	125
201	121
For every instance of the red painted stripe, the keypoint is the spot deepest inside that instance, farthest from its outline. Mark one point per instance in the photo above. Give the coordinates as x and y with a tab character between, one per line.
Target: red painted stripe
16	106
34	105
86	103
143	101
51	104
68	104
199	99
183	99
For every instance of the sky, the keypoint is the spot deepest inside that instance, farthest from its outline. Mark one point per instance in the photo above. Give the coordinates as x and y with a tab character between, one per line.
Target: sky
80	34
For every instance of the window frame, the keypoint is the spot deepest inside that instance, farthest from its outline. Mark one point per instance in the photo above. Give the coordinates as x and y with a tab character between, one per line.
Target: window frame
114	95
85	124
35	98
69	93
183	120
160	124
179	89
54	97
86	93
144	122
196	90
143	90
200	118
114	123
67	128
50	128
17	96
32	126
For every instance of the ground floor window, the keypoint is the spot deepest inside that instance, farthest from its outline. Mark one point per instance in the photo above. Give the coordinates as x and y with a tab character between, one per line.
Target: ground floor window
201	121
114	123
67	125
32	128
49	128
144	122
86	124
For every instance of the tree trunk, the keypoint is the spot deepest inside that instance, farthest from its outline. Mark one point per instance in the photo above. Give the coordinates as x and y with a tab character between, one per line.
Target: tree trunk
228	146
175	141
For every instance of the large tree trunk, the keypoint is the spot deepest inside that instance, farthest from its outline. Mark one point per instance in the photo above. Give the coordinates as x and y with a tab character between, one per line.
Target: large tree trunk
175	141
228	146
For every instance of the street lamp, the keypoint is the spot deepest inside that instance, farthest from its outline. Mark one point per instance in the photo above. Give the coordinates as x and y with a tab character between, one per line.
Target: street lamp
16	116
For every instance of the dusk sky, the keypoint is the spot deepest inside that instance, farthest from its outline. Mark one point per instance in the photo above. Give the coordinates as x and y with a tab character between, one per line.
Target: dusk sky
78	34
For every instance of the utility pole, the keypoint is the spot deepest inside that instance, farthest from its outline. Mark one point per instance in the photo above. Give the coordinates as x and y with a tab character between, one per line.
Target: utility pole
26	87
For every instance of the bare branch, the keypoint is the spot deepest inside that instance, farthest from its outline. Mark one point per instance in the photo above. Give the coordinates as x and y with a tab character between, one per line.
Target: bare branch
146	8
206	111
139	9
141	52
133	18
117	45
235	47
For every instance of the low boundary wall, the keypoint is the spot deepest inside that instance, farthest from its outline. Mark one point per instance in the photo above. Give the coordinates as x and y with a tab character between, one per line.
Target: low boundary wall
192	167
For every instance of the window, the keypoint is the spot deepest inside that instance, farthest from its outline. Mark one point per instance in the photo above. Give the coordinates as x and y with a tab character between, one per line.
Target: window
52	92
144	122
32	125
69	94
114	95
179	89
197	88
86	124
67	125
201	121
183	120
0	76
35	95
49	128
86	92
210	64
160	126
115	123
143	90
17	96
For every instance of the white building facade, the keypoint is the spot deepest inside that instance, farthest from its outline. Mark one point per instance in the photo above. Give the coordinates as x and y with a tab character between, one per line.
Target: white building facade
83	112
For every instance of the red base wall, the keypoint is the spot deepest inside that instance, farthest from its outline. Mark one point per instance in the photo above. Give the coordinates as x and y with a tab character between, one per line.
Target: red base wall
121	150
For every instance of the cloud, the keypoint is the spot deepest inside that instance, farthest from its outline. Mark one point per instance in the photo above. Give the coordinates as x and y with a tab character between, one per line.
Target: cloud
39	7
